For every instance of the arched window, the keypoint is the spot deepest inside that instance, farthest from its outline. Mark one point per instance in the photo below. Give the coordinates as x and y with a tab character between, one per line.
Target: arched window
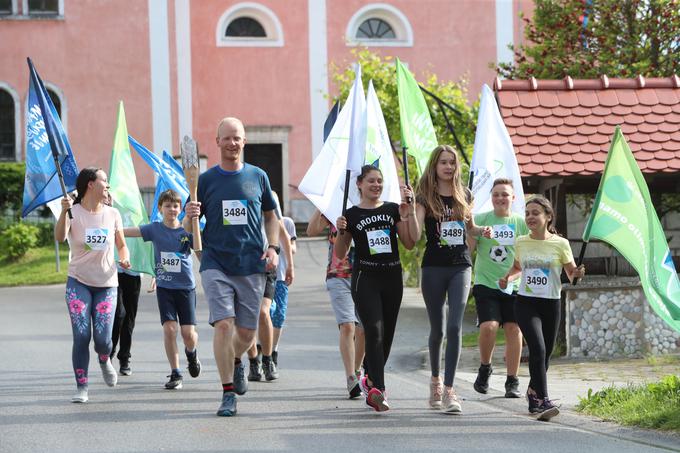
249	25
56	100
379	24
245	27
8	115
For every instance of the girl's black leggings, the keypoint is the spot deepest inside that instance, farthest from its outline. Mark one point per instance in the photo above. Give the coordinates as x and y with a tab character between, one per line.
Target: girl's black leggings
377	296
538	319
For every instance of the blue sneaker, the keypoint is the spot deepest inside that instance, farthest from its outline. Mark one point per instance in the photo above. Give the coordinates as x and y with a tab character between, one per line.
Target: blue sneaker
228	406
547	410
240	381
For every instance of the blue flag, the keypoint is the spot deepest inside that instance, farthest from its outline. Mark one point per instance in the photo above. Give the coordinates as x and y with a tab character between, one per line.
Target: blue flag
45	139
170	176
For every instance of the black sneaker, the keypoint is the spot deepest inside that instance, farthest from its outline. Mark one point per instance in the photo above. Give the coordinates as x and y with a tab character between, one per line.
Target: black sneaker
228	406
534	402
512	387
275	358
255	373
125	369
481	384
547	410
270	371
194	364
240	382
175	382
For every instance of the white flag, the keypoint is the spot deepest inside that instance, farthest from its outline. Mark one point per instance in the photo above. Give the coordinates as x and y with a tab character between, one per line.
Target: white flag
378	148
493	157
357	133
324	182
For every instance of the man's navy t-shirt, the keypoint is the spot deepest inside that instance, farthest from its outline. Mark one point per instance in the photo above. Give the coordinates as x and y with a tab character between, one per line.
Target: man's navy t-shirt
232	203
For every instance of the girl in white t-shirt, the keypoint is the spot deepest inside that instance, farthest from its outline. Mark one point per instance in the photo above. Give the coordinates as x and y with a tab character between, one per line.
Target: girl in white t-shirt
92	276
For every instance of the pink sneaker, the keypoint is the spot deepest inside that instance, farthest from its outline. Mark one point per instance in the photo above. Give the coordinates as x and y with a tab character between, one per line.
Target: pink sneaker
376	399
436	394
363	384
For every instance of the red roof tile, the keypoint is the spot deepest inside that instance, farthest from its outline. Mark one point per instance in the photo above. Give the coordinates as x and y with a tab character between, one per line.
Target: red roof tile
563	127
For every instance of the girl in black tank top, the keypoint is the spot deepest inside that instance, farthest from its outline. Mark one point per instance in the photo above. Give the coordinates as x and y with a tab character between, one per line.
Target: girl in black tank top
444	207
376	274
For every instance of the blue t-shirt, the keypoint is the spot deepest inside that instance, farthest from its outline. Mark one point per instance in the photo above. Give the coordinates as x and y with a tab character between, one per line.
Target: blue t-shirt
232	203
172	251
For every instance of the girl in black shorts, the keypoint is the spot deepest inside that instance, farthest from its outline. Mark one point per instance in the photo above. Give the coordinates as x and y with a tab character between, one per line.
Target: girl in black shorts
376	277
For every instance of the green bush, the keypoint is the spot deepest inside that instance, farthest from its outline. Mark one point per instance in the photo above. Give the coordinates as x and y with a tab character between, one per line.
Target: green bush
18	239
12	186
45	233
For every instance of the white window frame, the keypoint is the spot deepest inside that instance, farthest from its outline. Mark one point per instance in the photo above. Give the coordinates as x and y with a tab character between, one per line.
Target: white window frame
397	20
17	119
60	12
62	101
14	9
265	16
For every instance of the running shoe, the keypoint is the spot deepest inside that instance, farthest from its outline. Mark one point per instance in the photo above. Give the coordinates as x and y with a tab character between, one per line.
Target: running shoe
376	399
547	410
240	382
175	382
353	387
255	373
451	403
512	387
269	368
194	364
80	395
228	406
363	384
125	369
109	373
481	384
534	402
436	393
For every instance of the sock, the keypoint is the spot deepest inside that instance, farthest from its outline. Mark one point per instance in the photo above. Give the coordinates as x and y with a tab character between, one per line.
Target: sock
237	361
485	365
266	358
176	371
191	353
227	387
254	360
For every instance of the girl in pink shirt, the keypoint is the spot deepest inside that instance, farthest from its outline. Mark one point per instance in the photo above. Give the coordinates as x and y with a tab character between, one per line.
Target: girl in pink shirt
92	277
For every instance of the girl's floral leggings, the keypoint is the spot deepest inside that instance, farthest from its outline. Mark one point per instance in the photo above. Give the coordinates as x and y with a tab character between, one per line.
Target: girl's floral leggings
91	310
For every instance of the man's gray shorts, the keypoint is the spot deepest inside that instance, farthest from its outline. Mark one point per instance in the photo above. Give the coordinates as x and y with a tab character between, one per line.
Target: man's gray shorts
233	296
340	290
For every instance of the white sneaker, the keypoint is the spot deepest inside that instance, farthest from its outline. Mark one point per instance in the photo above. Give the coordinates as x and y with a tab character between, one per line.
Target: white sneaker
109	372
451	403
436	393
80	396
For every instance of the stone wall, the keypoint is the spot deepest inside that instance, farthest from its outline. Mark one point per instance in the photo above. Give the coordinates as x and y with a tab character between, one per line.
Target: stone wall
610	317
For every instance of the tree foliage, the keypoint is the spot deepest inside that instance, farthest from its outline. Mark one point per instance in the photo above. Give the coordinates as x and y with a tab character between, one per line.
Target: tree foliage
588	38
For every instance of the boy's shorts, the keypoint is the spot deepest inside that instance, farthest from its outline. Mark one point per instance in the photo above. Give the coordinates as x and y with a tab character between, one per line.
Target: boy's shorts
340	290
493	305
277	312
177	304
233	296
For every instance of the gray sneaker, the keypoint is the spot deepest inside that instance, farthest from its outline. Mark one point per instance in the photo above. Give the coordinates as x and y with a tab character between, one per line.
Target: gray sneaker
109	373
255	373
269	368
240	382
80	395
228	406
512	387
175	382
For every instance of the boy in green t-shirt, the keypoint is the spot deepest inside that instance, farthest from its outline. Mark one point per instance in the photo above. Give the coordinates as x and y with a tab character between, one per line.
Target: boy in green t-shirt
495	307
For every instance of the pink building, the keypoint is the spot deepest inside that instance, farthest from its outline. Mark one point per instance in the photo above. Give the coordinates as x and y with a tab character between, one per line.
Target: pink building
182	65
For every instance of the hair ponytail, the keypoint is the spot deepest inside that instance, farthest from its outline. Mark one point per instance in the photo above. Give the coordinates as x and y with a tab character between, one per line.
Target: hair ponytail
86	175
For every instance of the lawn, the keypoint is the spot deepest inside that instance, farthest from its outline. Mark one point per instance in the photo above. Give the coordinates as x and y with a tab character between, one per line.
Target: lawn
472	339
36	268
652	406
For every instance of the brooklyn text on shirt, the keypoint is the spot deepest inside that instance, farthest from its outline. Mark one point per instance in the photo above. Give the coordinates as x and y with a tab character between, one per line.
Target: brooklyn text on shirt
375	219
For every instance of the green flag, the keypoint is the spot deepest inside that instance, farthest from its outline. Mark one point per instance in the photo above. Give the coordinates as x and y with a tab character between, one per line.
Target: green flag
417	132
623	215
127	198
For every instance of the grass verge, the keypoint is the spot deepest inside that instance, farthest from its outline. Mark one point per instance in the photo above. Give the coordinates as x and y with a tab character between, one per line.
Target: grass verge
652	406
472	339
36	268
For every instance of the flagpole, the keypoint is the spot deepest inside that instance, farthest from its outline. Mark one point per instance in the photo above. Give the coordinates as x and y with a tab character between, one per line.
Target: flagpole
580	259
449	126
345	195
405	163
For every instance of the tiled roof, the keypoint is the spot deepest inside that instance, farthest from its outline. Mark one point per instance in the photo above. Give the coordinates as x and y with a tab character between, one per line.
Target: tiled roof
563	127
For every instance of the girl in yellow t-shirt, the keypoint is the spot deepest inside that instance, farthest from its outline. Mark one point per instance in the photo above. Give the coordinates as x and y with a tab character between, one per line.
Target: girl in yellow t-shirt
540	257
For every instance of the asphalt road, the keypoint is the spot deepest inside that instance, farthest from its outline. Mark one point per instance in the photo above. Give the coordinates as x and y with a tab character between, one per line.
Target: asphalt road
305	410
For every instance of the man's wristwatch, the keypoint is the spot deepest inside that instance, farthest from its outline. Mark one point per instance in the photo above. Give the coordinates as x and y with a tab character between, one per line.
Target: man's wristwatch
276	248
